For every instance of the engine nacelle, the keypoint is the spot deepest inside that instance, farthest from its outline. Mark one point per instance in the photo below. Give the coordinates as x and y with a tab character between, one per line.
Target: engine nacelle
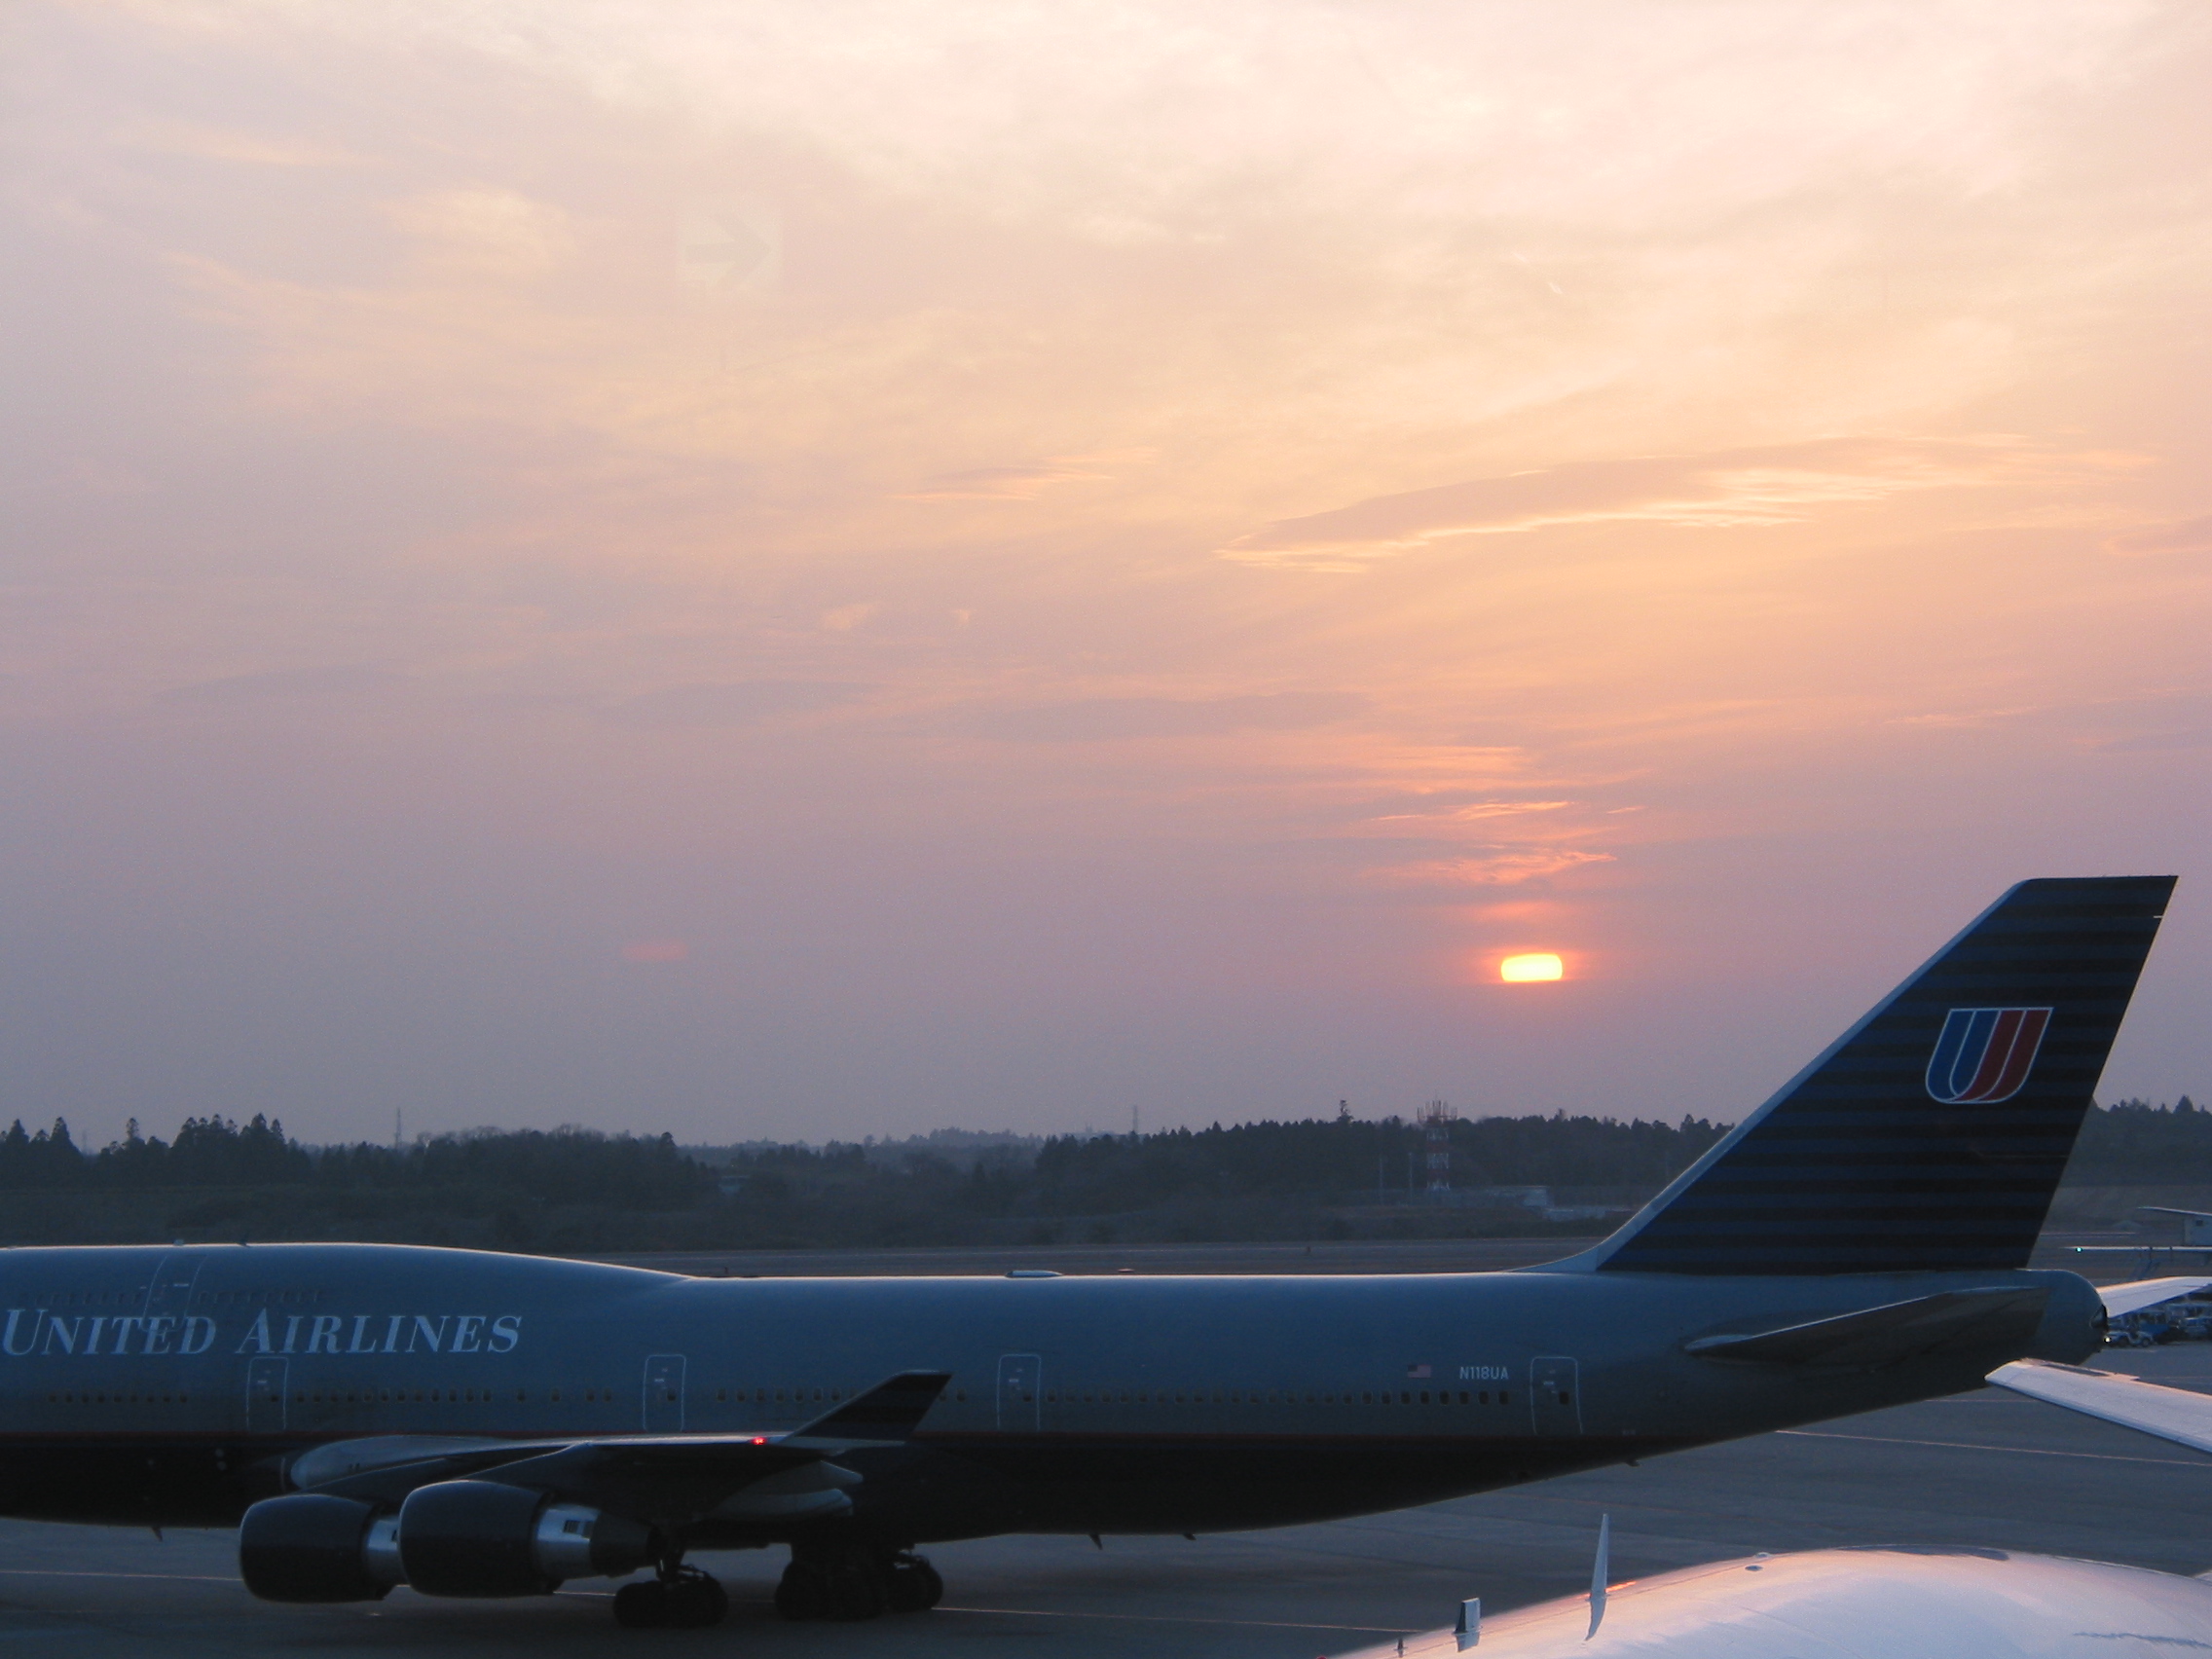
312	1547
452	1538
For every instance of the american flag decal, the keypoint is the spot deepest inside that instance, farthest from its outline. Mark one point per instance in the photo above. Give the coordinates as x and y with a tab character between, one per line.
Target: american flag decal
1418	1372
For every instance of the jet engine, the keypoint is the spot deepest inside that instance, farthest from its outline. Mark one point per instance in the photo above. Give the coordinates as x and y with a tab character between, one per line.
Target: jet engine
451	1538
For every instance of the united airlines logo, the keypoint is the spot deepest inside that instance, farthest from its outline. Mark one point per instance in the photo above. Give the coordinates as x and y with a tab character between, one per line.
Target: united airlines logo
1983	1054
32	1331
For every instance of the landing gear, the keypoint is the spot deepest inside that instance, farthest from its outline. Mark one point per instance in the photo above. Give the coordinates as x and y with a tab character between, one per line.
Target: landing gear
854	1582
913	1586
683	1597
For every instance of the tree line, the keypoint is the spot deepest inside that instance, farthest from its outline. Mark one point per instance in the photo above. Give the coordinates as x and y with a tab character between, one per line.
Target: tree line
566	1166
2133	1143
581	1191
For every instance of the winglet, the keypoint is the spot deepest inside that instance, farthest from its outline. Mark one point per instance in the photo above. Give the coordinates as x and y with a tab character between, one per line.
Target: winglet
892	1410
1600	1570
1469	1630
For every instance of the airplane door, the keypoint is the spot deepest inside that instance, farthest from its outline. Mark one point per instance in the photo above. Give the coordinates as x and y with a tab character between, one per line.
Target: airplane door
1554	1397
265	1384
664	1393
173	1279
1020	1391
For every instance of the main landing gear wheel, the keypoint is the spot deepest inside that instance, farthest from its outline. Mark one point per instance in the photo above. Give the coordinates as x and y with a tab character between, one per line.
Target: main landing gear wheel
803	1591
687	1600
855	1584
912	1585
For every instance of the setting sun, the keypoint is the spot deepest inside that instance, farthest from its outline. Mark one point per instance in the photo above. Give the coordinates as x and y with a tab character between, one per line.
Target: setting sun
1520	969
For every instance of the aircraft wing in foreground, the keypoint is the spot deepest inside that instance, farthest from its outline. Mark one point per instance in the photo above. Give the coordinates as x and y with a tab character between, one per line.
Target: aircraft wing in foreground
1882	1603
1854	1603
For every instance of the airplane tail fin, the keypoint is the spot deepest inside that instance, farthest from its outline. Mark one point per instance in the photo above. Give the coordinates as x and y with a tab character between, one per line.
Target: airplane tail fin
1931	1134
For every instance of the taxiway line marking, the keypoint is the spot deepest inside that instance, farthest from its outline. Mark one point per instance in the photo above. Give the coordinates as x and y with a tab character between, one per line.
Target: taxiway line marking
1170	1618
2009	1450
1055	1613
59	1573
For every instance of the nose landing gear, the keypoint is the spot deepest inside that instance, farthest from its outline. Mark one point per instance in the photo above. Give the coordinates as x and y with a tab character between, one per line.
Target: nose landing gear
856	1582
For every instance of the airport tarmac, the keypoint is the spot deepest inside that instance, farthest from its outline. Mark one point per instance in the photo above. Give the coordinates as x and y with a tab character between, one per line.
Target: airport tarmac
1987	1469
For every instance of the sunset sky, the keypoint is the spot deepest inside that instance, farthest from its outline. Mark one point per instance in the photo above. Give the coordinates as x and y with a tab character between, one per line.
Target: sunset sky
824	569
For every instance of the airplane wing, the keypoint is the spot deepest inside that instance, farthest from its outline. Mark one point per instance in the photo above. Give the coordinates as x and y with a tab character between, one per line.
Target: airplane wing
1885	1334
2146	1293
2178	1415
662	1475
2168	1209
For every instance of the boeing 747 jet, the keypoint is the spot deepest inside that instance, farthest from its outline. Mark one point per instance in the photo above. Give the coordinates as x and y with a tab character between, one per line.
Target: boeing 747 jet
481	1426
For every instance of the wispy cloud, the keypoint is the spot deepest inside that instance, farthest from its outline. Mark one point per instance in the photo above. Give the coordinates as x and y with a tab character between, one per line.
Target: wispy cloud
1477	810
1489	867
744	702
2183	535
1024	482
1765	486
334	680
1093	720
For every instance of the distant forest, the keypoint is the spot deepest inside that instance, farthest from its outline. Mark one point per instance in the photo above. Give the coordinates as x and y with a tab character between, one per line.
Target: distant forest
2134	1143
579	1191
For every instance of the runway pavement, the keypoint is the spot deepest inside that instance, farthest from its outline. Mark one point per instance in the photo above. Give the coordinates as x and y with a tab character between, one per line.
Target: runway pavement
1988	1469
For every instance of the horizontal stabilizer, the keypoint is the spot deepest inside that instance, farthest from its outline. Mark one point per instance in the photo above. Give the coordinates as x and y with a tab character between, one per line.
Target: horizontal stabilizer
2146	1293
2178	1415
1888	1335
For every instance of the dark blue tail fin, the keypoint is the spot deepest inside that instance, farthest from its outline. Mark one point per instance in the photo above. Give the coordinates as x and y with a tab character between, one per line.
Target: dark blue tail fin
1933	1134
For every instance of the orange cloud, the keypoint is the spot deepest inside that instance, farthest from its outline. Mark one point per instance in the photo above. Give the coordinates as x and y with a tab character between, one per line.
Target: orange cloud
2185	535
1766	486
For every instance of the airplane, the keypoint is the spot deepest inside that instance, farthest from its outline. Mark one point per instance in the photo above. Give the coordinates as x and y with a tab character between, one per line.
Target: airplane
2195	1225
478	1425
2195	1240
